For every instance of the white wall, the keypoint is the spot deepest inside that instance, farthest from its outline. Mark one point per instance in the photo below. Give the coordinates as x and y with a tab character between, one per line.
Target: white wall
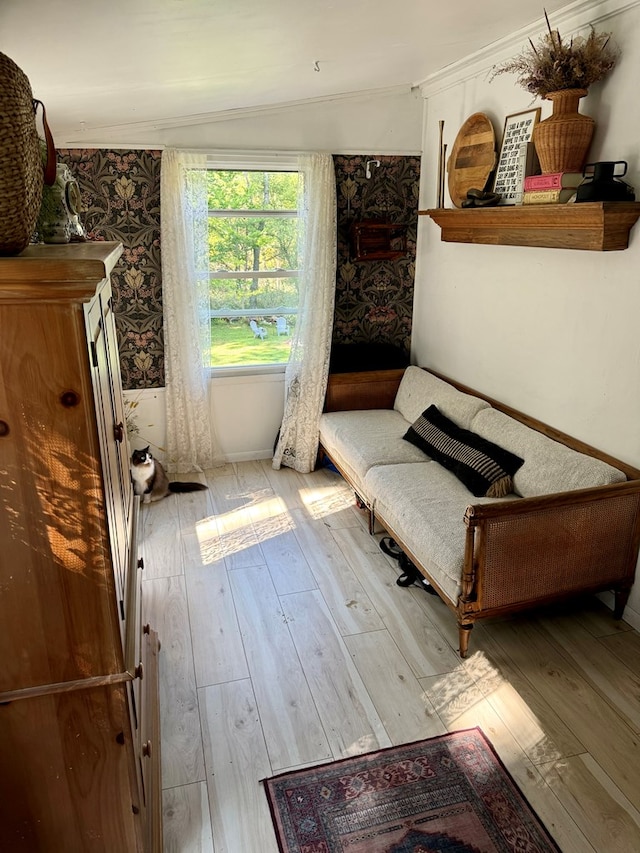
146	421
551	332
246	412
383	122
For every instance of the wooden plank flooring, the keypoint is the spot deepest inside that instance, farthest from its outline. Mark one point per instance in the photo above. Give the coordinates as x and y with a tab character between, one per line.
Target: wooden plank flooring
286	642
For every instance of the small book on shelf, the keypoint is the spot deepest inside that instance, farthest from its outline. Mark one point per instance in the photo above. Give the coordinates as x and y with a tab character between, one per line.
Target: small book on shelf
553	181
559	196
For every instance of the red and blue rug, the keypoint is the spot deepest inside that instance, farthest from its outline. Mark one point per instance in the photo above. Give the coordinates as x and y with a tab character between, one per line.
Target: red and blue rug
448	794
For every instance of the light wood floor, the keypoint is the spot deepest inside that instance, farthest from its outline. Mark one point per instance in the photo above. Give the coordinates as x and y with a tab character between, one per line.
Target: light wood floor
286	642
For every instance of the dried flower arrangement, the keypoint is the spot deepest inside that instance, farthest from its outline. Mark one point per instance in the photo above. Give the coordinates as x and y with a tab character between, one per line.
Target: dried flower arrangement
554	64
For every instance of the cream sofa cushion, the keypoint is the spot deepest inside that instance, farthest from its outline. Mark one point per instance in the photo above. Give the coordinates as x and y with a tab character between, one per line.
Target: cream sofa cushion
549	466
419	389
357	440
425	505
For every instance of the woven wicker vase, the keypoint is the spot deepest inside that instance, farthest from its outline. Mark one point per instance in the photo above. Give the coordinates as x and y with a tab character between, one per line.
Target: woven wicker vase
562	140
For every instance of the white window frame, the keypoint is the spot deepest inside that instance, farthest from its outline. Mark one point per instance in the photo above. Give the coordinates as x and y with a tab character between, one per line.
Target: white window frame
257	162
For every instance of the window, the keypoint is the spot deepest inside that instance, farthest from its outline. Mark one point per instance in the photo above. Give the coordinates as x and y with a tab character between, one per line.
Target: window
253	275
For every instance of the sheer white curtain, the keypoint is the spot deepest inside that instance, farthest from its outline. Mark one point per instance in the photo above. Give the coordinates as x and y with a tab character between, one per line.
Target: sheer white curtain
308	367
191	441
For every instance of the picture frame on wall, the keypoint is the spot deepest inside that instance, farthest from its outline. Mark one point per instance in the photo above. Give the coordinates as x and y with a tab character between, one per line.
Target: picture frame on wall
517	156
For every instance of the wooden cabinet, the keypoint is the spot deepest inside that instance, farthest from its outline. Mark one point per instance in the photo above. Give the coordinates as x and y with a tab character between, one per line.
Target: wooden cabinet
79	726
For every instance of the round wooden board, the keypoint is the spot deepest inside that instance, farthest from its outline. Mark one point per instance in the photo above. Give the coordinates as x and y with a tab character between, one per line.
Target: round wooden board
473	157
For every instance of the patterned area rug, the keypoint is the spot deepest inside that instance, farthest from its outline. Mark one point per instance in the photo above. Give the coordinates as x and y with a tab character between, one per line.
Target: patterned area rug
448	794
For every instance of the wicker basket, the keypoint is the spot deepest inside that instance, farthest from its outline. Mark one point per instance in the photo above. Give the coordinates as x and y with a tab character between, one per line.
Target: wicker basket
21	164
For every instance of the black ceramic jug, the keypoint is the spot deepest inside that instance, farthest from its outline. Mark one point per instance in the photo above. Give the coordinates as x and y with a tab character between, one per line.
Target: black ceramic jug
602	184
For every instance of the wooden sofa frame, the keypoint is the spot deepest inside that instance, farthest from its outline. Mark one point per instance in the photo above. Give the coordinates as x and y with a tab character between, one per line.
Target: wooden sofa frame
529	551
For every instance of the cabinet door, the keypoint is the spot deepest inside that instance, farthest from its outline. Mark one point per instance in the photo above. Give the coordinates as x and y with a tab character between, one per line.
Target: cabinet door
67	781
112	437
117	404
58	603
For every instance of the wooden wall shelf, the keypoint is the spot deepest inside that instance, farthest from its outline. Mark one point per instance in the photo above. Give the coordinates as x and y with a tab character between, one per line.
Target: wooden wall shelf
599	226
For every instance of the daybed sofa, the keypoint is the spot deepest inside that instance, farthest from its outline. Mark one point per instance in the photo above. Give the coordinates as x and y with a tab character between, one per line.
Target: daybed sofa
571	524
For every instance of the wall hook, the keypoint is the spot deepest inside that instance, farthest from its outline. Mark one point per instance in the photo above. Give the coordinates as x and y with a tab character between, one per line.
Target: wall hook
376	163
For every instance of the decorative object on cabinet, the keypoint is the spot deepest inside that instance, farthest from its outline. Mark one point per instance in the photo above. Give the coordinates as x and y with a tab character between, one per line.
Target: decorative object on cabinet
599	226
562	71
79	728
58	220
21	170
517	156
472	159
602	184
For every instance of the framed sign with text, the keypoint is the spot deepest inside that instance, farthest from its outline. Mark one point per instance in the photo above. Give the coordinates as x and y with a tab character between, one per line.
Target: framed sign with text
517	156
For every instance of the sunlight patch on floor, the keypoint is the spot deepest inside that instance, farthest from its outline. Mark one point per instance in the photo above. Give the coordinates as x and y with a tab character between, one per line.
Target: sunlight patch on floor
509	704
367	743
238	529
272	514
453	695
326	500
209	543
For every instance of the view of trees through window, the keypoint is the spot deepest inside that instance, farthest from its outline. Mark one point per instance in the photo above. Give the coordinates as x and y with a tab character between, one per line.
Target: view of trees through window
253	257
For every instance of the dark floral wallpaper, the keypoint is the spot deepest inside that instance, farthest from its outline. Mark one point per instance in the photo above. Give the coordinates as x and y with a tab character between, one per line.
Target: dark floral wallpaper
374	299
121	201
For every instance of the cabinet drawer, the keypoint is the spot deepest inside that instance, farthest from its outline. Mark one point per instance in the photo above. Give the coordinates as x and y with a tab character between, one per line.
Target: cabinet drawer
111	434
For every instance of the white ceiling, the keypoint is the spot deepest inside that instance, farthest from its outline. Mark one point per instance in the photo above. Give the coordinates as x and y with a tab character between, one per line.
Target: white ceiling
99	64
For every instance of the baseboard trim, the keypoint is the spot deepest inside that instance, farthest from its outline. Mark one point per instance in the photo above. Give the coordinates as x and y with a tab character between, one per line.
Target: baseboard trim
249	455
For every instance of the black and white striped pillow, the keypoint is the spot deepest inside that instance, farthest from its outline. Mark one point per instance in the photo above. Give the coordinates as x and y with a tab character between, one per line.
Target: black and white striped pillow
483	467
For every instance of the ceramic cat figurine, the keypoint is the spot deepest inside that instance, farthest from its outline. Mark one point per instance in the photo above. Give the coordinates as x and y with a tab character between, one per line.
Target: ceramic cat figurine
150	479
